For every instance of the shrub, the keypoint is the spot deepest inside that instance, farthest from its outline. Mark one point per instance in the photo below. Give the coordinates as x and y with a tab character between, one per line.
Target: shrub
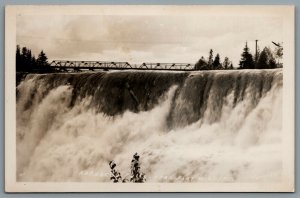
136	175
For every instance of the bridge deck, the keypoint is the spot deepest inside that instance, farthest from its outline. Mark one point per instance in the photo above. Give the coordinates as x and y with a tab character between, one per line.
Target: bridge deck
93	65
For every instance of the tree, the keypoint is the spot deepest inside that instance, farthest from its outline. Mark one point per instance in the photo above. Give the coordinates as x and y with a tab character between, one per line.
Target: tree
201	64
213	63
29	59
23	59
226	63
278	54
216	63
18	58
33	62
266	59
256	56
26	61
210	59
271	59
246	61
262	62
42	59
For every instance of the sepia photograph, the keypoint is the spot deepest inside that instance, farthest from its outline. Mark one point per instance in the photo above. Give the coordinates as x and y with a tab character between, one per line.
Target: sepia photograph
149	98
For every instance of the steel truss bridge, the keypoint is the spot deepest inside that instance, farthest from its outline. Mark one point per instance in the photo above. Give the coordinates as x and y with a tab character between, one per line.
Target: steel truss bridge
63	65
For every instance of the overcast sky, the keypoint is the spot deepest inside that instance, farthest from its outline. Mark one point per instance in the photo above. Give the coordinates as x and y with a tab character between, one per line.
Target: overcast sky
138	39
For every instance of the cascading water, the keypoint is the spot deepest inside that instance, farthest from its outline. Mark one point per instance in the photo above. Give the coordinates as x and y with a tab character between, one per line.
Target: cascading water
217	126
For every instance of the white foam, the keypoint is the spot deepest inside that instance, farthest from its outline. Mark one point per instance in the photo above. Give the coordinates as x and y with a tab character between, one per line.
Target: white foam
59	143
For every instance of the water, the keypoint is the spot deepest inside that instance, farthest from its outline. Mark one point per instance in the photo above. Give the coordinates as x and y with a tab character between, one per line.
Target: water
210	126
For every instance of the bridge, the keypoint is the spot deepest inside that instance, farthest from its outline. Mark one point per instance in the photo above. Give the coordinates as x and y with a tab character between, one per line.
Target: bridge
64	65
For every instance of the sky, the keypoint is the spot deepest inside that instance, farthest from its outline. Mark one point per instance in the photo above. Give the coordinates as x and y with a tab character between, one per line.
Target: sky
145	38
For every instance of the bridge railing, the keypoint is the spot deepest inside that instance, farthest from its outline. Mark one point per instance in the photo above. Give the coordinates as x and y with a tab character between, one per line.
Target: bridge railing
168	66
120	65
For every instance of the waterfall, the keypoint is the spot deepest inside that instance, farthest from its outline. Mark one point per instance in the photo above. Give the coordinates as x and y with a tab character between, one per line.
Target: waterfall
186	126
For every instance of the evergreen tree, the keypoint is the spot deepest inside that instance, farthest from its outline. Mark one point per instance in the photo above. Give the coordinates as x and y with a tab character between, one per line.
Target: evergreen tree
262	62
29	59
210	59
216	63
246	61
42	59
24	51
226	63
33	62
18	59
266	59
25	60
201	64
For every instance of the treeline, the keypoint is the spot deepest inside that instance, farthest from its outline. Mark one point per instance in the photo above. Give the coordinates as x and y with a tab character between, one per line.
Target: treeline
266	59
213	63
27	62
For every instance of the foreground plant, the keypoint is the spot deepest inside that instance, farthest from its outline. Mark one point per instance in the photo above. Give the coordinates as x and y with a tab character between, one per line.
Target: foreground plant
136	175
